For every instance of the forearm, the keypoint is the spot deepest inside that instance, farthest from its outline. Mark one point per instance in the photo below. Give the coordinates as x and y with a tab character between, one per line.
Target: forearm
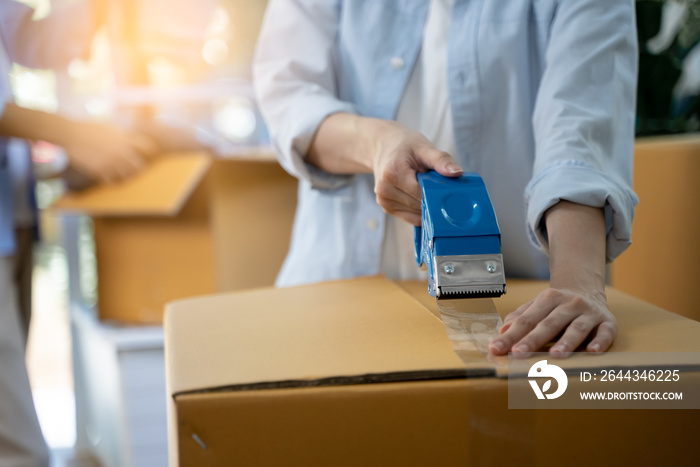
574	308
343	144
576	247
30	124
100	151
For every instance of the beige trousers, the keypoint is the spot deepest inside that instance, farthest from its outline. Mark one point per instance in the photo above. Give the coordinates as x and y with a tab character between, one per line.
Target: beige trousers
21	441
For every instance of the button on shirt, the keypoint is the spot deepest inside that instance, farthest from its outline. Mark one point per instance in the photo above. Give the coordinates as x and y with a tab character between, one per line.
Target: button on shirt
541	96
425	108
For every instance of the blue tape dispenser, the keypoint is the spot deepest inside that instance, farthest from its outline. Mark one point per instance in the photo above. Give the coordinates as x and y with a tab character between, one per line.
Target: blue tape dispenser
459	239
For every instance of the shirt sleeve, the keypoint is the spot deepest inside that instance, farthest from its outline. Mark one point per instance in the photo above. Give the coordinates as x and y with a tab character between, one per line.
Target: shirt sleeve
584	118
295	81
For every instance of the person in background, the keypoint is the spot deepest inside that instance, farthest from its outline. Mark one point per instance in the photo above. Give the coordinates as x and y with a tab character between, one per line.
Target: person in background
537	96
101	152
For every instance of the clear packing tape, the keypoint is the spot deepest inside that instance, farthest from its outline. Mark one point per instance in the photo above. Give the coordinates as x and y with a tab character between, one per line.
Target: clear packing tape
470	323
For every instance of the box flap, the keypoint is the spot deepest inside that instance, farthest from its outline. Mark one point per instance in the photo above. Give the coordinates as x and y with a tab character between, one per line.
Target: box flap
338	332
160	190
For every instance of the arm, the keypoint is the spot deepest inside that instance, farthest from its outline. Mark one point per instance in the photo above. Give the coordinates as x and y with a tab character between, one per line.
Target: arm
580	202
319	138
19	122
575	301
295	82
100	151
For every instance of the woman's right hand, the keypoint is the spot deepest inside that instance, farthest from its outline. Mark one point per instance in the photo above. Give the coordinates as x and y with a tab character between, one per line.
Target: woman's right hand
347	143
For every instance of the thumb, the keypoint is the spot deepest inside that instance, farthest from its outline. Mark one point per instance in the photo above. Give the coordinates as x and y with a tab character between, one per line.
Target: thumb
440	161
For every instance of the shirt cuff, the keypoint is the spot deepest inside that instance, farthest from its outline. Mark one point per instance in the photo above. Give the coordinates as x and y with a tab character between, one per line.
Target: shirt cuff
297	132
580	183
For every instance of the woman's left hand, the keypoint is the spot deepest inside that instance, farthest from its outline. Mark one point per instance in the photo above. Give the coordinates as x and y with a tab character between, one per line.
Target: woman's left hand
574	308
573	315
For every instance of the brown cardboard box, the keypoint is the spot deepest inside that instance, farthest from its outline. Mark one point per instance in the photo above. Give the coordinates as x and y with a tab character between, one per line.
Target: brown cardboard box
661	265
361	372
188	225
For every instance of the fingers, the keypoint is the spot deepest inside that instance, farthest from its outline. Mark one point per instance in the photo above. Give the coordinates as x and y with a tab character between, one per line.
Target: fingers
94	168
410	217
398	191
523	325
575	334
398	173
508	321
387	191
396	185
549	328
604	337
144	145
131	157
554	313
590	322
440	161
129	164
393	200
115	167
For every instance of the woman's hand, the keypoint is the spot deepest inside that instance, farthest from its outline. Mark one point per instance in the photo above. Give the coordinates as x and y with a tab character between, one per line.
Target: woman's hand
347	143
398	155
574	308
579	315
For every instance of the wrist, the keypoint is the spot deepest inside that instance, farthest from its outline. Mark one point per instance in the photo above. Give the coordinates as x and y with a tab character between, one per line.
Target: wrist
368	145
576	247
580	281
342	145
585	280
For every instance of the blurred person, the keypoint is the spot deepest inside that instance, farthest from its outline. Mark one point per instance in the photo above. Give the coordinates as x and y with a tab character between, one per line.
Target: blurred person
102	152
537	96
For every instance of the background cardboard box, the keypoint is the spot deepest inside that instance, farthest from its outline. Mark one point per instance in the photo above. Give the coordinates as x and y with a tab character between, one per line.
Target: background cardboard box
361	372
188	225
661	265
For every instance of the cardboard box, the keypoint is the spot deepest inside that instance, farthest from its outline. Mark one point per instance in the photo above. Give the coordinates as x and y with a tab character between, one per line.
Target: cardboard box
361	372
661	264
188	225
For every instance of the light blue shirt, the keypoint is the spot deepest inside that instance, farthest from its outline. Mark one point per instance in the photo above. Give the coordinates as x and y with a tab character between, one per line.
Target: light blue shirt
542	96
